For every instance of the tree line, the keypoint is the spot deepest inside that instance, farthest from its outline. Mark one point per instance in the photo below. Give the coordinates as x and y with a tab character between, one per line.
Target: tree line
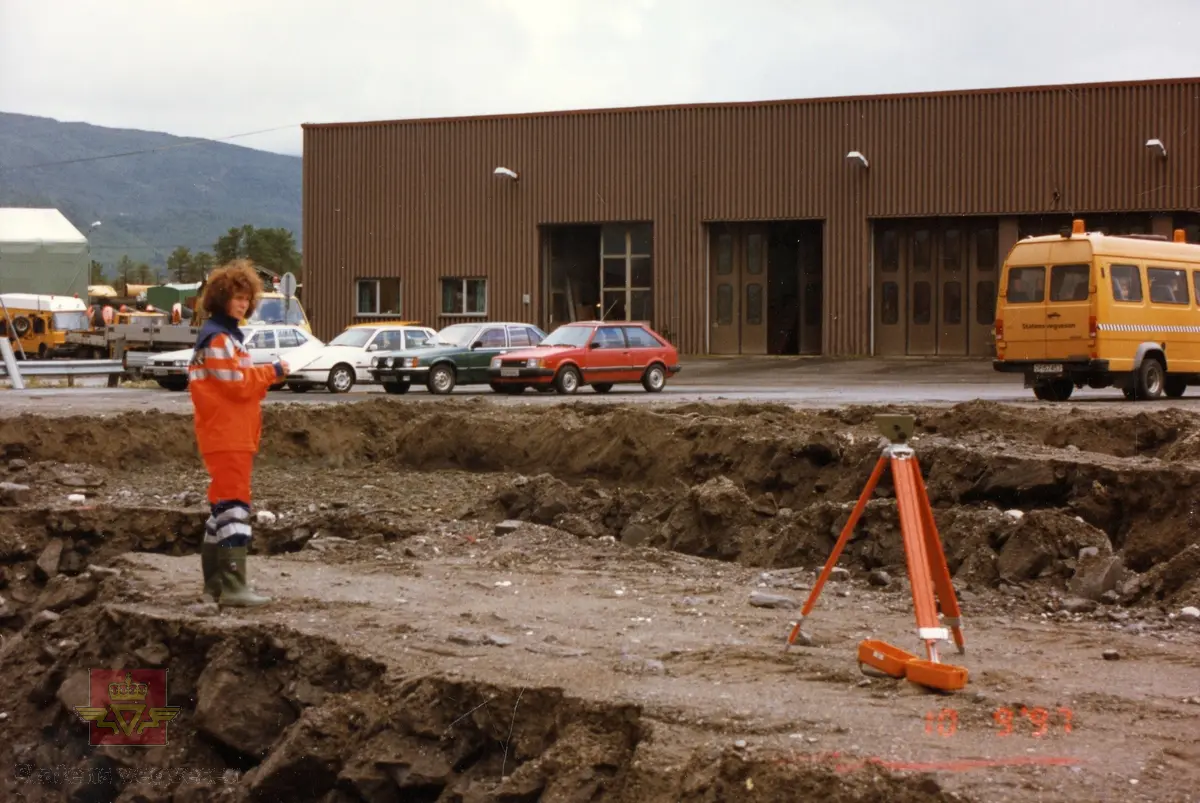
272	249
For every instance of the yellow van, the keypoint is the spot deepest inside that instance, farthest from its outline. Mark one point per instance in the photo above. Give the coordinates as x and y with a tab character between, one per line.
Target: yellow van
39	323
1093	310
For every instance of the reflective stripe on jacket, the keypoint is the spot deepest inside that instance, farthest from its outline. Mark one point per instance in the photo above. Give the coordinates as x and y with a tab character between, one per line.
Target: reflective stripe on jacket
227	389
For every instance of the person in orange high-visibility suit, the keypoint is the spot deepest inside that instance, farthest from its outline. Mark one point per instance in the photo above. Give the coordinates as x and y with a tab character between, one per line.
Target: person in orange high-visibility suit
227	390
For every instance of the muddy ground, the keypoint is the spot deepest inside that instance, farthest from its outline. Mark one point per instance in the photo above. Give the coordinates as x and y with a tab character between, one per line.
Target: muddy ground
613	645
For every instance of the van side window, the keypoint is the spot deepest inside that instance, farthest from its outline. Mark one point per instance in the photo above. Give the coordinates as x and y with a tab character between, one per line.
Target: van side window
1167	286
1069	282
1026	285
1126	283
1195	285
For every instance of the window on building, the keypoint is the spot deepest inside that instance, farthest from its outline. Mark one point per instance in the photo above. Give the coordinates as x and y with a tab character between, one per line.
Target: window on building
754	304
985	303
890	304
378	297
922	303
1126	283
889	251
1167	286
463	296
952	303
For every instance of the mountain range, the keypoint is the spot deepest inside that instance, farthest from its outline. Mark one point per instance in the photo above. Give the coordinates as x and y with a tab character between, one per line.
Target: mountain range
169	191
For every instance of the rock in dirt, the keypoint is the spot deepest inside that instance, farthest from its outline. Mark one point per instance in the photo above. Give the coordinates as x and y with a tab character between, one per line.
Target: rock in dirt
1096	575
1110	597
17	464
1079	605
75	690
306	762
1111	655
839	573
13	494
1190	613
47	562
761	599
1042	540
879	578
155	654
507	526
65	592
257	719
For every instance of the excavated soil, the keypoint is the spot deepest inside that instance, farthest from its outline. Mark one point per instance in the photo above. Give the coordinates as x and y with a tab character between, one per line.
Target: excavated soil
486	603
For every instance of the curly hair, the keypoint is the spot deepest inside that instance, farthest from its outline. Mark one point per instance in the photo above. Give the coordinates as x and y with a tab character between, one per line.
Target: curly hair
235	278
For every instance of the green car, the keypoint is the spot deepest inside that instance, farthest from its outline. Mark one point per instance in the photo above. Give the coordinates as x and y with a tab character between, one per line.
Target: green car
460	355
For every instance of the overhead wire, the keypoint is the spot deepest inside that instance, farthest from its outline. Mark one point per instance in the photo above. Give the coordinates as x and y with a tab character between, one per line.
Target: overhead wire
185	144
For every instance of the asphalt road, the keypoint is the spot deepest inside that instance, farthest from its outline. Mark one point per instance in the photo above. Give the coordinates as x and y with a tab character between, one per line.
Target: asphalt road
797	382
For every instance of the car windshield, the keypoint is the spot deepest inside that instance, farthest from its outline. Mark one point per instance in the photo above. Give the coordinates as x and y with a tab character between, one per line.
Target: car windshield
355	338
460	334
273	310
568	336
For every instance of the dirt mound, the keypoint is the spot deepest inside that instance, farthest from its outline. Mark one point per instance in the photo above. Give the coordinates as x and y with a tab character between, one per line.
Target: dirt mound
274	715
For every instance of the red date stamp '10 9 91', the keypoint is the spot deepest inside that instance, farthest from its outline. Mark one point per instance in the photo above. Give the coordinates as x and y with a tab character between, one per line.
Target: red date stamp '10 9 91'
1035	722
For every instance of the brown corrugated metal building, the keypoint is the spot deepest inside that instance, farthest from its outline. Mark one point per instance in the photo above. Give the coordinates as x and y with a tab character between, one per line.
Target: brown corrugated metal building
842	226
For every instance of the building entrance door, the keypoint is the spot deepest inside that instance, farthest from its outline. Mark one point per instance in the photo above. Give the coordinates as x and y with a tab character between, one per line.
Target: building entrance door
739	256
935	287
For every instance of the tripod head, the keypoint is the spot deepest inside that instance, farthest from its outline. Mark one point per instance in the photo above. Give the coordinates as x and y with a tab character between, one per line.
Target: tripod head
896	428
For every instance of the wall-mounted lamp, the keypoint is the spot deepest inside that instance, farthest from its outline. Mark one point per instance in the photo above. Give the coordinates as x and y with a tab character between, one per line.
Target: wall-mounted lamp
1157	145
504	171
859	157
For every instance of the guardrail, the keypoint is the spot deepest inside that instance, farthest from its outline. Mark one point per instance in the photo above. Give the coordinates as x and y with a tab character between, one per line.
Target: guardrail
15	371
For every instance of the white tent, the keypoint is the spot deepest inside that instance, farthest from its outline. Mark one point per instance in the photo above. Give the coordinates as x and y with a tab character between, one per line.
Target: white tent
42	253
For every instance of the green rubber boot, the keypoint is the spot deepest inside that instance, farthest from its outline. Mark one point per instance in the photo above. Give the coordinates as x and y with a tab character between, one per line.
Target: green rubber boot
212	573
235	593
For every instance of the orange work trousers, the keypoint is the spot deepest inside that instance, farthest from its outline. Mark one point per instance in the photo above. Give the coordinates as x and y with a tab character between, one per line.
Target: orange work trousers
229	476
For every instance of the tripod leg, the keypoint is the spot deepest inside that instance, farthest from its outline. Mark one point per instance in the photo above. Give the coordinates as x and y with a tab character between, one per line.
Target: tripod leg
843	539
912	529
939	570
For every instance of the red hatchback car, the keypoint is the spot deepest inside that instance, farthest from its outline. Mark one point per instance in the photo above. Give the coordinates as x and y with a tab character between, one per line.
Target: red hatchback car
596	353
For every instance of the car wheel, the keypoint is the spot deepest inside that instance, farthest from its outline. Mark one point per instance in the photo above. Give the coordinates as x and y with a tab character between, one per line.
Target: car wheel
341	379
294	388
441	379
278	386
1150	379
602	387
397	388
655	379
567	381
1174	386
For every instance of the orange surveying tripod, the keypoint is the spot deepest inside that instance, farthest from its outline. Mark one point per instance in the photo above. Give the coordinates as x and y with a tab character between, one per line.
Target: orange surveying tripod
927	570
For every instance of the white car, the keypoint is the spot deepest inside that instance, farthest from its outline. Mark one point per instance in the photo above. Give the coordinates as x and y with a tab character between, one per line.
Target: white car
346	359
266	343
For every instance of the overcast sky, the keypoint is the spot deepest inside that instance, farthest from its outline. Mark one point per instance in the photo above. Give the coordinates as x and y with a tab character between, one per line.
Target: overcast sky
214	68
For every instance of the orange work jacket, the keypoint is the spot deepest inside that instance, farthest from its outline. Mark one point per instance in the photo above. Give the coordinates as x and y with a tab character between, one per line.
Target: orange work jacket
227	389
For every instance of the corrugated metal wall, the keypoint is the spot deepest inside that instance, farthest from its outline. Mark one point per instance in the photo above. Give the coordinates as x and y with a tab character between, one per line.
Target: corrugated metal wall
417	199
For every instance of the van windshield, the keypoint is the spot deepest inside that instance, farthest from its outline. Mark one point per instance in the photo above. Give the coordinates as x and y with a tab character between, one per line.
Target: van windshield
273	310
71	321
1026	285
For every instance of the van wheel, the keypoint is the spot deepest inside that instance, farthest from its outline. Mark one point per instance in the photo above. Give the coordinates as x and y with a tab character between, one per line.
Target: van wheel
1150	379
1174	386
1058	390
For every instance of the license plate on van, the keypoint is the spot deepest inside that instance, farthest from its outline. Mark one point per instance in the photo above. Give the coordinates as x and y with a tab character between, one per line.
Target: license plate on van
1047	368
